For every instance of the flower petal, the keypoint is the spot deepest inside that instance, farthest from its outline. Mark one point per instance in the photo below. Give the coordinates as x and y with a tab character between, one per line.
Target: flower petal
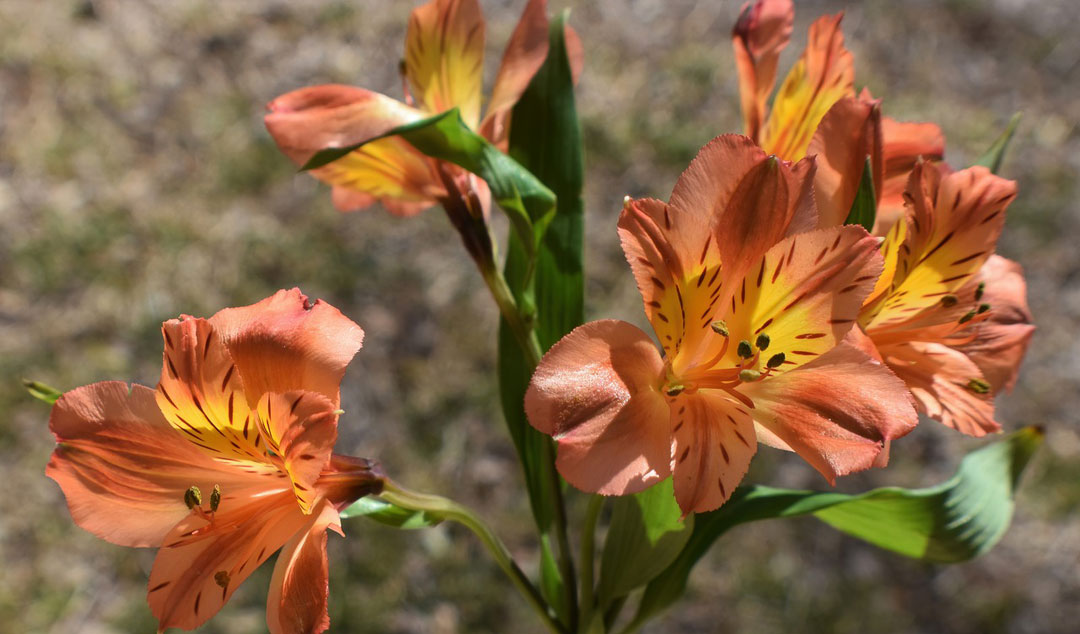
999	343
597	393
762	31
846	136
839	412
525	54
122	467
316	118
297	600
944	383
300	428
804	295
714	442
286	343
823	75
202	395
953	227
204	560
444	57
902	146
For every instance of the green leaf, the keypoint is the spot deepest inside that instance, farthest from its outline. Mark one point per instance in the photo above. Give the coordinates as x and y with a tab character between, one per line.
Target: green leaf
545	138
957	520
864	207
646	535
993	157
42	392
386	513
527	202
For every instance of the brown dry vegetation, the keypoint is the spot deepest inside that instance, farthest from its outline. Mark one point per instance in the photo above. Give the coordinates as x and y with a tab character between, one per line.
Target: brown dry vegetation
137	183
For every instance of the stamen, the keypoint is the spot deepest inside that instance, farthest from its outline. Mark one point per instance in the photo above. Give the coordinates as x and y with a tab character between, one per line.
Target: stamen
744	350
983	308
979	290
949	301
968	316
215	498
762	341
193	497
749	376
674	389
720	327
626	202
776	360
222	578
979	386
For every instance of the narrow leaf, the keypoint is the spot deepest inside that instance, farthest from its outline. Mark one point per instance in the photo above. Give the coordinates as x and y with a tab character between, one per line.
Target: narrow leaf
386	513
864	207
41	391
994	156
957	520
528	204
646	535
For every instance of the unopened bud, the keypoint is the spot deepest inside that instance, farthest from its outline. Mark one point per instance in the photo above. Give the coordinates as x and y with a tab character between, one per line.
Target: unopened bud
720	327
762	341
949	301
776	360
193	497
744	350
215	498
979	386
748	376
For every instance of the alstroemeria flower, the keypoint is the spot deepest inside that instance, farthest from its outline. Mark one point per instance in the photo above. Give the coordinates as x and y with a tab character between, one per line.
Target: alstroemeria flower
751	307
229	460
816	111
949	316
443	69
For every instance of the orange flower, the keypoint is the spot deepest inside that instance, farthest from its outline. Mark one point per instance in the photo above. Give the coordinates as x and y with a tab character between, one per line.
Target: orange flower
816	112
227	461
443	69
949	316
752	309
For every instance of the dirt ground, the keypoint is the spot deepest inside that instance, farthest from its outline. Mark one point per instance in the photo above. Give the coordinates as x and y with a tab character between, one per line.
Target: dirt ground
137	183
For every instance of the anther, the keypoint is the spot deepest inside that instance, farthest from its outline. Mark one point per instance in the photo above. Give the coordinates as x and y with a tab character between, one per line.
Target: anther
215	498
776	360
949	301
762	341
968	316
983	308
222	578
674	389
744	349
979	290
193	497
720	327
979	386
749	376
626	202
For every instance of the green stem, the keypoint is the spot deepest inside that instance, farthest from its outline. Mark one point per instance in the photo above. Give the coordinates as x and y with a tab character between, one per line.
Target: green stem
588	549
449	510
522	328
566	558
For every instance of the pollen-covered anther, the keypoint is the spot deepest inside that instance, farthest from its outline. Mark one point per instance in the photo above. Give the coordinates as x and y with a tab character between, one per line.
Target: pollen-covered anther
776	360
221	577
674	389
762	341
949	301
968	316
744	350
193	497
626	202
979	386
720	327
215	498
979	290
749	376
983	308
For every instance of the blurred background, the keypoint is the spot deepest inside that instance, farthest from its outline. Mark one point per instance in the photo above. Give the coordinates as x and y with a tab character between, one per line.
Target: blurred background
137	182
